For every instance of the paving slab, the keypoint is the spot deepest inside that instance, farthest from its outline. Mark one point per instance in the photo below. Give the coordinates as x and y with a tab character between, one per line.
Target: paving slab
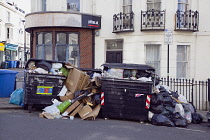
4	104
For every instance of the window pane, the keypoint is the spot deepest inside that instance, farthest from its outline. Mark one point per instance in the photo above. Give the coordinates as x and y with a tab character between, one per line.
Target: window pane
157	6
73	39
61	38
127	6
48	52
39	52
61	52
181	62
127	2
40	38
153	57
73	55
48	38
73	5
154	4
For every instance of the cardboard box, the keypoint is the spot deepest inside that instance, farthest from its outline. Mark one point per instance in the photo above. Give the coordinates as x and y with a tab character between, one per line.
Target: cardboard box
94	113
76	110
64	98
85	82
71	108
85	111
70	95
74	80
95	90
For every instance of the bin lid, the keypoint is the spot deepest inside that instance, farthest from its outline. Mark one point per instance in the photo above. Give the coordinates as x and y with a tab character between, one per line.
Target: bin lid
39	60
129	66
8	72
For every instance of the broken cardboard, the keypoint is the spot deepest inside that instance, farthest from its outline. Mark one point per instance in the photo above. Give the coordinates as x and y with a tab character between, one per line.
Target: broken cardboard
76	110
71	108
70	95
47	115
95	90
74	80
94	113
85	82
64	98
85	111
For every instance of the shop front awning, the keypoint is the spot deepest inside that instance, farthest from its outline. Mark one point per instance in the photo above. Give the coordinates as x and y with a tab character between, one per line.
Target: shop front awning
11	47
2	46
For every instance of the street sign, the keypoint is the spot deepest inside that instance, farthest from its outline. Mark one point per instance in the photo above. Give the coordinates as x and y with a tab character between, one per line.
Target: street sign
168	37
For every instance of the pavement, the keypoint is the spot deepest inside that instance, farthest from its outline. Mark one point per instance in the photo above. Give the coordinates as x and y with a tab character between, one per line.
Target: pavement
4	104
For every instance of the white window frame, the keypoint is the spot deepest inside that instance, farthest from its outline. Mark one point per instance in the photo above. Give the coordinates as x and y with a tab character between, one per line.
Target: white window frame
156	63
185	62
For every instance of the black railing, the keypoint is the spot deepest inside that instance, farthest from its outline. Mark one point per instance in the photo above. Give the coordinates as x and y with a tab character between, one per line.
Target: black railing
123	22
187	20
196	92
152	20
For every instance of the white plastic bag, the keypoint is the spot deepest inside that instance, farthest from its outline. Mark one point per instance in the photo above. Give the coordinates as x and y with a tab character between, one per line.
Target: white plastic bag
182	98
52	109
150	115
179	108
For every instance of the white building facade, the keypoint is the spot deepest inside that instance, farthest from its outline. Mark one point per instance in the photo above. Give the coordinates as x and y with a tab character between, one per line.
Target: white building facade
134	31
12	32
138	36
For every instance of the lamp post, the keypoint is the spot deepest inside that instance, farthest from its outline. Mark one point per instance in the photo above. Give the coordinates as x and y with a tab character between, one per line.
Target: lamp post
25	55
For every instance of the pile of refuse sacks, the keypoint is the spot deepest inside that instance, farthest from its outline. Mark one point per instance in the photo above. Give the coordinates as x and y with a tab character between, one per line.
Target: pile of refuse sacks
169	108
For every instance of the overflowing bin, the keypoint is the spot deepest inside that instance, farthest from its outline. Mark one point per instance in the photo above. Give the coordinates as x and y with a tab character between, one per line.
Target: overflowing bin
126	91
7	82
41	87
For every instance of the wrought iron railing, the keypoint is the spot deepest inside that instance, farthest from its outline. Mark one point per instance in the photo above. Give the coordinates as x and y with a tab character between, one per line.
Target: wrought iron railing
196	92
123	22
152	20
187	20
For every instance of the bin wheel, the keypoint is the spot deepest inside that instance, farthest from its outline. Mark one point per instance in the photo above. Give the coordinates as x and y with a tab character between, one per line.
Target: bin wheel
25	107
29	108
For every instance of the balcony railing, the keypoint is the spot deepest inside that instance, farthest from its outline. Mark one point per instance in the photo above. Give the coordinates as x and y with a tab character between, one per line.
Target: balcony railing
123	22
152	20
187	21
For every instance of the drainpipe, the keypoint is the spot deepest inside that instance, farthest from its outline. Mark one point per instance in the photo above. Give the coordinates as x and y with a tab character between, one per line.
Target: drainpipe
93	51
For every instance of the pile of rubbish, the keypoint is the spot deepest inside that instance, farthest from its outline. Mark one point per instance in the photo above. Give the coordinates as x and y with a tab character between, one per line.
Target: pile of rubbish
80	94
171	109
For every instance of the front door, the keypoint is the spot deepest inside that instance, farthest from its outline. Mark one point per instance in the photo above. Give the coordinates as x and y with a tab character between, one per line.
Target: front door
114	57
114	51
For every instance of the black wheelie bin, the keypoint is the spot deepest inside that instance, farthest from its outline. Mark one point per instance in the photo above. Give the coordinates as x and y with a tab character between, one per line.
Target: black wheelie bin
39	87
125	92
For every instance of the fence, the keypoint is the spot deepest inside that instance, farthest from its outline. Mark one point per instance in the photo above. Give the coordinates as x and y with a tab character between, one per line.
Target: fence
196	92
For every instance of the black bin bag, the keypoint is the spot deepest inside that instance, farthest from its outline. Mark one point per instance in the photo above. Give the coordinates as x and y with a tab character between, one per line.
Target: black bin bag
178	120
156	99
197	118
161	120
